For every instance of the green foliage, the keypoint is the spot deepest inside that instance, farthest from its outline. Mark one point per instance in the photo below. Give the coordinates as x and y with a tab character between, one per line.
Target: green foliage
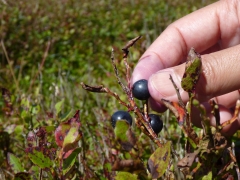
125	175
39	159
15	163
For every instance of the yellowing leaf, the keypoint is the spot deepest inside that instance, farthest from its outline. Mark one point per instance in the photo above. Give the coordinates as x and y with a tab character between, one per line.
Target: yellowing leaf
159	160
192	71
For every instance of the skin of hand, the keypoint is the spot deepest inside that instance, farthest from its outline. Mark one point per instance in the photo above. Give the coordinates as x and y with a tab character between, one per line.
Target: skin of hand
214	32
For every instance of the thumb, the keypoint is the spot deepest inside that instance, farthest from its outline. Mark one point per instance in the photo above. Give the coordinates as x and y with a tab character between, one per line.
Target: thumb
220	75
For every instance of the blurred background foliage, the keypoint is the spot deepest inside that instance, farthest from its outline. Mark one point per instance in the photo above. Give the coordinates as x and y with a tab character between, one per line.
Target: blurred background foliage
80	35
49	47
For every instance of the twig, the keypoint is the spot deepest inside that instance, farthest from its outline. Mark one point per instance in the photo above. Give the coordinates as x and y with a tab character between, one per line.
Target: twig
41	65
125	55
101	89
235	116
40	174
127	73
142	119
9	63
128	45
125	89
178	94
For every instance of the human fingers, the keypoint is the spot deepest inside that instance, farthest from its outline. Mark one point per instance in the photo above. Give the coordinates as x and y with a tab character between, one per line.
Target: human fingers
206	30
225	115
220	75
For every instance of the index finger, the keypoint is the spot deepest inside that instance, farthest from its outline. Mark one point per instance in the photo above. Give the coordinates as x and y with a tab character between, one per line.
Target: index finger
201	29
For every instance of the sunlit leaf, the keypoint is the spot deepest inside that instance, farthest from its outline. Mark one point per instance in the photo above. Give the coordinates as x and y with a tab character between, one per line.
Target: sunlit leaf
192	71
71	126
58	106
208	176
125	175
71	138
159	160
35	109
124	135
15	163
60	133
181	113
49	129
18	130
39	159
34	171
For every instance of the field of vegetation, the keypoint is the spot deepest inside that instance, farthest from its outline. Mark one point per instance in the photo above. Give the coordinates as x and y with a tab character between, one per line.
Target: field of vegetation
47	49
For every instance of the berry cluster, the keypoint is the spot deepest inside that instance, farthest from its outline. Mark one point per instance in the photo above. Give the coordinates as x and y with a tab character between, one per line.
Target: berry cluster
150	124
140	92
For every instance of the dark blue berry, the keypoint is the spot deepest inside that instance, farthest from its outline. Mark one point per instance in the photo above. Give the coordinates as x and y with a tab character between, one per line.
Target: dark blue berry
124	115
156	123
140	90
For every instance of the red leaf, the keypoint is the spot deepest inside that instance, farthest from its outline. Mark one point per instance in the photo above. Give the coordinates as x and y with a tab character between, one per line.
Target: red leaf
63	129
181	113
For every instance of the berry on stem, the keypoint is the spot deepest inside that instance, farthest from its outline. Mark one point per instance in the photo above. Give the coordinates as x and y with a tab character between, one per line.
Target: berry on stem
140	89
156	123
121	115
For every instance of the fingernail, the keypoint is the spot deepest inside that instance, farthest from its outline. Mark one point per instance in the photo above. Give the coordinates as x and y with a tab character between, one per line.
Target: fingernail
160	85
146	67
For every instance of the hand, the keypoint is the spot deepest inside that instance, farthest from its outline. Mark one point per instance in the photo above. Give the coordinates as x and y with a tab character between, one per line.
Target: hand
214	32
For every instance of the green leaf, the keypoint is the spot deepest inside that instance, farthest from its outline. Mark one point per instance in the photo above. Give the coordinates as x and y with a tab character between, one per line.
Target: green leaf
18	130
71	138
208	176
125	175
15	163
34	171
58	106
35	109
70	160
120	130
49	129
67	115
71	126
192	71
124	135
159	160
39	159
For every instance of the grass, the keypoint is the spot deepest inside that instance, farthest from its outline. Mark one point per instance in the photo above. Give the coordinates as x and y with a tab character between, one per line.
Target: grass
49	47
